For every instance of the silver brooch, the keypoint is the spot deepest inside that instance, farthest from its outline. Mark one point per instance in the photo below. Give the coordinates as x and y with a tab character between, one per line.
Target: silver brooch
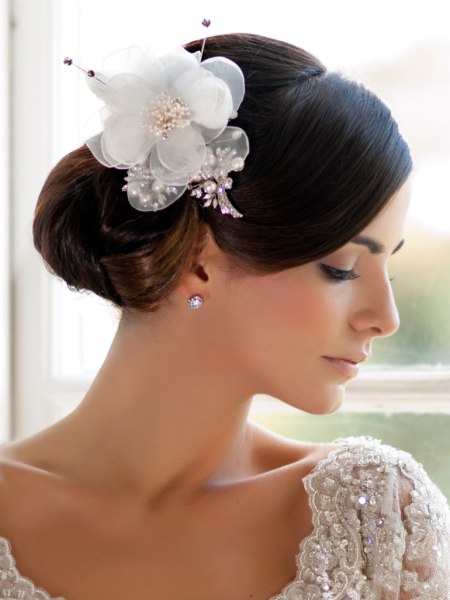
224	155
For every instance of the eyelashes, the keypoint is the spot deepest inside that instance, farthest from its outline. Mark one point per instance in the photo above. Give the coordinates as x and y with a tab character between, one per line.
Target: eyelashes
334	274
338	274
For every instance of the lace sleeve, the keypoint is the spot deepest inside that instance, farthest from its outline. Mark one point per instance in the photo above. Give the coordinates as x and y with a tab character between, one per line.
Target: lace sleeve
404	525
381	529
423	570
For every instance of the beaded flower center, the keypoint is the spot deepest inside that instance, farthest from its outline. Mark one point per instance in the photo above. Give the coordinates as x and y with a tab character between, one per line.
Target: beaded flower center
164	114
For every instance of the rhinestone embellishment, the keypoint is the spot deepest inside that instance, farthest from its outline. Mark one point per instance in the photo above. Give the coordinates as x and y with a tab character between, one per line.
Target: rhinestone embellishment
195	302
368	539
211	183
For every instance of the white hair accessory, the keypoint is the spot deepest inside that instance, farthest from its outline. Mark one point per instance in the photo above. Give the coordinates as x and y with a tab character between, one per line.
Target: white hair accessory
165	120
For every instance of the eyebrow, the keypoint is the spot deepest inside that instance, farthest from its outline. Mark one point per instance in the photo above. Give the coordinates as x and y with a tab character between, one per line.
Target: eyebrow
374	246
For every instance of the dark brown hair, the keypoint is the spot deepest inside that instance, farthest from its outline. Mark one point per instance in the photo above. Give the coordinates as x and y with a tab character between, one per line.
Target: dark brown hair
325	158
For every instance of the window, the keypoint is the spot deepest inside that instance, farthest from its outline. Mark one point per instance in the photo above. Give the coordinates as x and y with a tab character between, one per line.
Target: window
4	231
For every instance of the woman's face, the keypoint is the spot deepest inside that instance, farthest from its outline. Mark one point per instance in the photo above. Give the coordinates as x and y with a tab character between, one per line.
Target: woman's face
301	333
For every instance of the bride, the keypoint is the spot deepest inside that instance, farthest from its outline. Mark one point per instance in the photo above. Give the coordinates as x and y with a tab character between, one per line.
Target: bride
247	256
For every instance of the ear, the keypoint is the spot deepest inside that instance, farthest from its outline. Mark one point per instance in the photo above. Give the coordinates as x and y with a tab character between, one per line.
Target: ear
206	257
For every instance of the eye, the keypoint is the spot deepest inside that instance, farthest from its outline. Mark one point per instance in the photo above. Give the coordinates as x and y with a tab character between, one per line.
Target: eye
337	274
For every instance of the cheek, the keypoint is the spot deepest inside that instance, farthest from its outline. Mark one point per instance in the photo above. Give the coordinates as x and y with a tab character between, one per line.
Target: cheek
290	316
287	330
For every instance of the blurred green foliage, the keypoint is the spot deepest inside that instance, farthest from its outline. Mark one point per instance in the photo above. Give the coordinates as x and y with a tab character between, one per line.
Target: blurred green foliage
421	285
425	436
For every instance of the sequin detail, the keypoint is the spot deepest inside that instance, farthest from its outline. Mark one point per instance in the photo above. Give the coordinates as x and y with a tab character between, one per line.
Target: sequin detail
381	529
381	532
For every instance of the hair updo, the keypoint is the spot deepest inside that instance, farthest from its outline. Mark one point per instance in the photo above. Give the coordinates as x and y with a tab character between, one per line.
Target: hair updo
325	158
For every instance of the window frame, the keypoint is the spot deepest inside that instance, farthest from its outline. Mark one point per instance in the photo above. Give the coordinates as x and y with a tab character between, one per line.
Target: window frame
5	239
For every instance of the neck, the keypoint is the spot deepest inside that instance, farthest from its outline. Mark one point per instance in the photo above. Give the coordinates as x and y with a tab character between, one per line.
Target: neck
162	416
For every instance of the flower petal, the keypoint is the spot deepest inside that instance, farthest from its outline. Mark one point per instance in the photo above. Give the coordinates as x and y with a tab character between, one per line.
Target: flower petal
165	175
211	103
183	152
176	63
230	73
208	98
125	140
129	93
94	144
131	66
209	134
235	139
98	85
136	61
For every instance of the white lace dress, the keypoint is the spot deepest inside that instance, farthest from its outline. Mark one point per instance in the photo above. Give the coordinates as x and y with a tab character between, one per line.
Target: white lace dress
381	532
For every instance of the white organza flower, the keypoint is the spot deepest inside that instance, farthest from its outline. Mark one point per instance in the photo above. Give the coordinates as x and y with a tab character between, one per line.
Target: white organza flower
159	114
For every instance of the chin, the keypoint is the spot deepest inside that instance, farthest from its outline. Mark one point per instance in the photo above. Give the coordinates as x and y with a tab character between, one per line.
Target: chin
318	402
334	406
333	401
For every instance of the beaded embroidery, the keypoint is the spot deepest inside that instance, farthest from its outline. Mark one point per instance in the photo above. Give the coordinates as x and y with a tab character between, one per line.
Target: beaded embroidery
380	526
363	547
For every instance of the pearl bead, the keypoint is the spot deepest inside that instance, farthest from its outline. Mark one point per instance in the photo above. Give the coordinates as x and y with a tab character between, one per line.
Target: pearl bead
210	162
237	164
210	187
133	188
157	186
145	199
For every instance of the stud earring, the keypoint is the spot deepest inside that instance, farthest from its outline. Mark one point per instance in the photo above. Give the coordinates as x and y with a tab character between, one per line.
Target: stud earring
195	302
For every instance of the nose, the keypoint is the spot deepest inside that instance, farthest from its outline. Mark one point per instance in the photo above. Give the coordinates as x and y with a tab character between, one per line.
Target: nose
377	311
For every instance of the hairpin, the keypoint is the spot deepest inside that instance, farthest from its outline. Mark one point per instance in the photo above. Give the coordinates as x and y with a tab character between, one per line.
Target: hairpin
90	73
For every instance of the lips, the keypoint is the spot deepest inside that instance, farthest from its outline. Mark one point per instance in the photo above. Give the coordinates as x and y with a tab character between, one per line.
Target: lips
346	365
353	359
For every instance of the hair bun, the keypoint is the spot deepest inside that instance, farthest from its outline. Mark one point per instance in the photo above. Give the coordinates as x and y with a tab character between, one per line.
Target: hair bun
90	236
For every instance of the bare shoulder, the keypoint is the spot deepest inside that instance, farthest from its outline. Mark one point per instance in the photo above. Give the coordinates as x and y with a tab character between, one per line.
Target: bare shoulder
8	489
277	452
35	455
12	469
13	463
31	496
21	478
8	464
